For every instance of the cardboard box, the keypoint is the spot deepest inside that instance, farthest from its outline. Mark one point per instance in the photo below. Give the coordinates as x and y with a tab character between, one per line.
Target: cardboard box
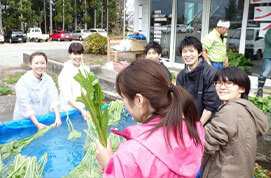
138	45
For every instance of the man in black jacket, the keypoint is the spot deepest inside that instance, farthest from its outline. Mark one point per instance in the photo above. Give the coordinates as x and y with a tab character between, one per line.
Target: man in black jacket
197	78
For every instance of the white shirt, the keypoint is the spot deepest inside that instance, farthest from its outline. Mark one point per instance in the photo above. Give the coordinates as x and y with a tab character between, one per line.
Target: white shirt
34	96
68	86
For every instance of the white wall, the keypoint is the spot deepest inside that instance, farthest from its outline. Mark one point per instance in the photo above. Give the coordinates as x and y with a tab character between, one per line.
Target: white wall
145	17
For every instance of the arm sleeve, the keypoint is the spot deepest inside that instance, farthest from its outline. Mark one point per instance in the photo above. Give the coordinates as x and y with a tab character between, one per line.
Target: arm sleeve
179	79
121	165
268	36
24	99
210	99
64	84
53	95
220	130
207	42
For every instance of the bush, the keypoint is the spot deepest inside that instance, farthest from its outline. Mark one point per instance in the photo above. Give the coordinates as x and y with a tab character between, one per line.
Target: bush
13	78
239	60
5	90
95	44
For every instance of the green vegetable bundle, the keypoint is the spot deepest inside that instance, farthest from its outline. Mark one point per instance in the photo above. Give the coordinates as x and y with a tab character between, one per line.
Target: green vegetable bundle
27	167
115	109
92	96
74	134
13	148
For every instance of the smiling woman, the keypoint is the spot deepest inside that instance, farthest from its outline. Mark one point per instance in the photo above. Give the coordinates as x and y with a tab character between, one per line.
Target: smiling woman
36	93
232	134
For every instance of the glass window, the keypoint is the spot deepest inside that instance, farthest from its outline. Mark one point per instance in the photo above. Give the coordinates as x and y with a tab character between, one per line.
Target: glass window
160	29
189	17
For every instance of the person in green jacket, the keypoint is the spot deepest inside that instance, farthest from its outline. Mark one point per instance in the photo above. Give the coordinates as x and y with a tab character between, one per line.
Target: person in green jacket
266	63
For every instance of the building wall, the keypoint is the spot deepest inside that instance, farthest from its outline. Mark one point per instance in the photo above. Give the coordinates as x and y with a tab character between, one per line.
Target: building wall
144	26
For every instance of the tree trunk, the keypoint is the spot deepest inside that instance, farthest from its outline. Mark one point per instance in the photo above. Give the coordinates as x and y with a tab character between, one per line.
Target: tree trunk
1	24
22	24
63	16
107	16
102	15
44	13
85	2
75	15
94	18
51	17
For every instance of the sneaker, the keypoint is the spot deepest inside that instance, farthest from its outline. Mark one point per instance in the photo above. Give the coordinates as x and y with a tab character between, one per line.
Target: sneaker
260	93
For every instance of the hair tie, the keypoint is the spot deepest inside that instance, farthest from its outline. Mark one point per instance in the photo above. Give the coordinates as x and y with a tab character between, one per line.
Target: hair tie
170	88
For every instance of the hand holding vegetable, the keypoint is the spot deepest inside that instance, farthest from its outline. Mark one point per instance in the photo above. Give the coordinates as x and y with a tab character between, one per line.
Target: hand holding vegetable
103	154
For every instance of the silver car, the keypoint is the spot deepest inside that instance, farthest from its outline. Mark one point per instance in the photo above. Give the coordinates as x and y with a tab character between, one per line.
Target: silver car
80	34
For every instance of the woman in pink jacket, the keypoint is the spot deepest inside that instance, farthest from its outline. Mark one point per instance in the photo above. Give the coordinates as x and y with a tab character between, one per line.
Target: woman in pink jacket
170	140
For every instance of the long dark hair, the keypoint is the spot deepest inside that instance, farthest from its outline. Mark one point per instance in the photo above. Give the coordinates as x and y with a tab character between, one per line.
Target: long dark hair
171	102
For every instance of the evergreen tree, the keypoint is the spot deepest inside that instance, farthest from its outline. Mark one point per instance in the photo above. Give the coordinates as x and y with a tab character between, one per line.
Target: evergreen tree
231	10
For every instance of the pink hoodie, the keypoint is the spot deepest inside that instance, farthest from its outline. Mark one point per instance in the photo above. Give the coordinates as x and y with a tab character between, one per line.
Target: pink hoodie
142	156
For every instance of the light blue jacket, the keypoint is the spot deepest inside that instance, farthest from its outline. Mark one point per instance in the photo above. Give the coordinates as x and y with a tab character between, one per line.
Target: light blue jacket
34	96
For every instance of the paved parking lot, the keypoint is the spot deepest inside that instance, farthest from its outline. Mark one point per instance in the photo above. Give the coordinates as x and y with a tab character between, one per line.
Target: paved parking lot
12	54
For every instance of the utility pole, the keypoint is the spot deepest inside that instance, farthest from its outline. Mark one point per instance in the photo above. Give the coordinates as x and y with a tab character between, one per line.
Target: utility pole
63	17
124	18
51	17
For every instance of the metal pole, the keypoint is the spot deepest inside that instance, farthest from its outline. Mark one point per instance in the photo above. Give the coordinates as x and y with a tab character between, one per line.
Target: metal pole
244	28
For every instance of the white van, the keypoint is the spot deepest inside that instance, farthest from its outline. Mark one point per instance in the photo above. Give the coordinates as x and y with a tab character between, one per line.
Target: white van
254	43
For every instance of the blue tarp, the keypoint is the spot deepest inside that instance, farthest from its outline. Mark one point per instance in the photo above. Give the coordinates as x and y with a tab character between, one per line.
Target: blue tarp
63	154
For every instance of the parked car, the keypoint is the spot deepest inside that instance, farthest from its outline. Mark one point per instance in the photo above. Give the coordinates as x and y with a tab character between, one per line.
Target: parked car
61	35
15	36
1	37
254	43
80	34
99	30
36	34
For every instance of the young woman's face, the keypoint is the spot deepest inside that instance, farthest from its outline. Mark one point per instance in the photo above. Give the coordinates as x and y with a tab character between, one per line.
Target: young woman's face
228	90
153	55
76	59
38	65
190	56
138	108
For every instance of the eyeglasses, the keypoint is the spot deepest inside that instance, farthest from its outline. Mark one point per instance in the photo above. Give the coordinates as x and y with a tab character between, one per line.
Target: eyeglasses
227	84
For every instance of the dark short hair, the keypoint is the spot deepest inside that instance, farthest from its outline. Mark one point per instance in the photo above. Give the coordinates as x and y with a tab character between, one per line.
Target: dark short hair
38	53
153	45
76	48
190	41
235	75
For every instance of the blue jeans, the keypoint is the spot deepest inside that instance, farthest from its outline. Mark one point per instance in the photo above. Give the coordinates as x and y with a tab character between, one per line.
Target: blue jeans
218	65
266	67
